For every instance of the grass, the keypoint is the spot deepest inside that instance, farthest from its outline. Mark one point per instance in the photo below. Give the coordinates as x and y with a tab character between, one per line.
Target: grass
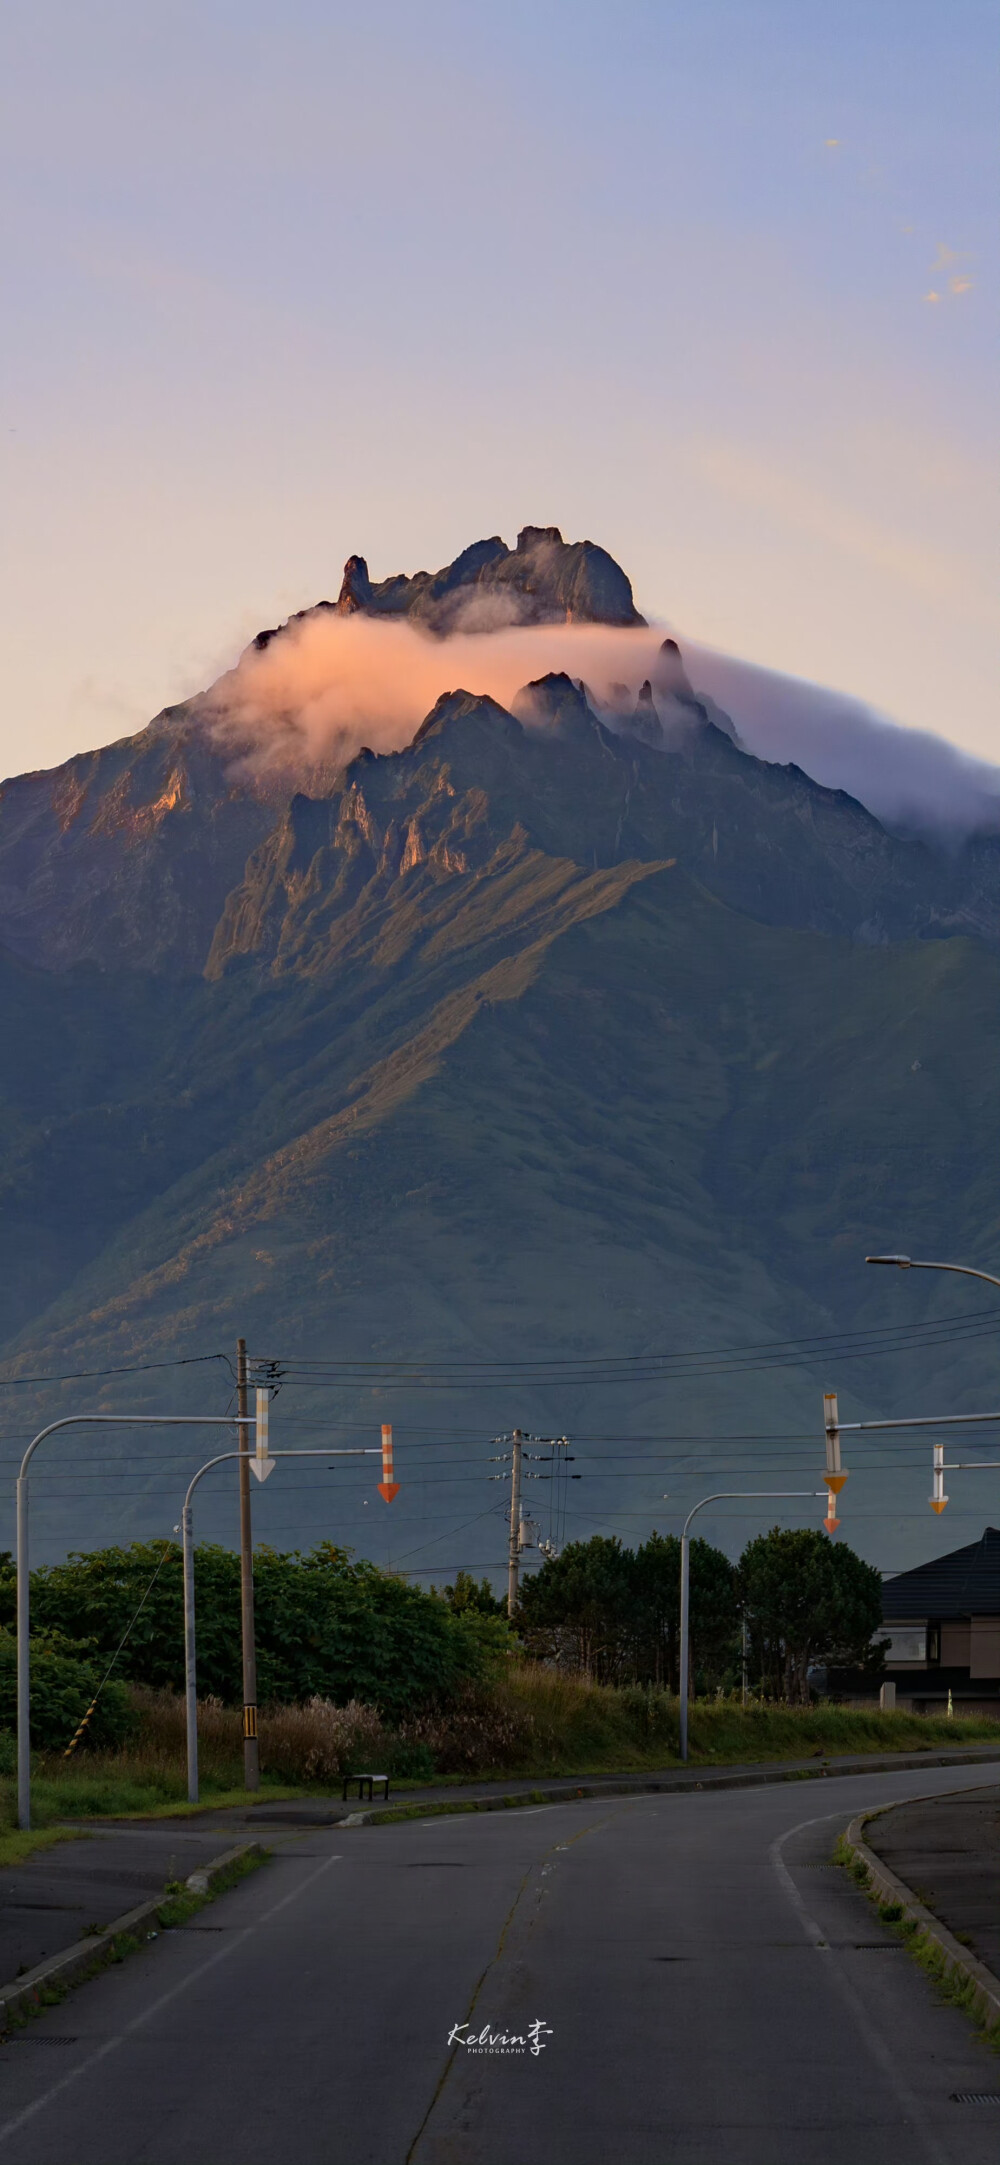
950	1982
183	1902
533	1722
15	1845
180	1904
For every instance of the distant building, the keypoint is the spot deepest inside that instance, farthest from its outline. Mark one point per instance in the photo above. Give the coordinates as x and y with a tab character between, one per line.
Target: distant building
942	1621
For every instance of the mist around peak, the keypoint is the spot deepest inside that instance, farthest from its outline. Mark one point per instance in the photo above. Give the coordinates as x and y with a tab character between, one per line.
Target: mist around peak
302	701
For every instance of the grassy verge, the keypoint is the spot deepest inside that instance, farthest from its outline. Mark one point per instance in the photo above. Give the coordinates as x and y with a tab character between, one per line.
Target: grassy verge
531	1723
951	1984
15	1846
179	1905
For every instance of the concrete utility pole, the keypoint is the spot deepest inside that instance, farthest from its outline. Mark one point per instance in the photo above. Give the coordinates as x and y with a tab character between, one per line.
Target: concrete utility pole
251	1747
265	1461
513	1553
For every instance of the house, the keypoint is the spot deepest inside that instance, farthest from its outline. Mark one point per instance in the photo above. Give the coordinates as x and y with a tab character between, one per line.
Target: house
942	1621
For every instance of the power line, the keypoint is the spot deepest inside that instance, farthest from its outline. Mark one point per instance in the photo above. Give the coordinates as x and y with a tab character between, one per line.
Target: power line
136	1368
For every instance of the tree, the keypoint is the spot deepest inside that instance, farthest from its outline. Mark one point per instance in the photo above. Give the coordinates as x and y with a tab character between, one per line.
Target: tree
327	1625
714	1612
582	1602
467	1595
806	1600
617	1611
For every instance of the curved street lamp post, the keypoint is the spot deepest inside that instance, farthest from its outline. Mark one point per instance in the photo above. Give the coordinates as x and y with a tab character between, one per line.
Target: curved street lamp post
187	1538
726	1495
262	1464
71	1420
906	1262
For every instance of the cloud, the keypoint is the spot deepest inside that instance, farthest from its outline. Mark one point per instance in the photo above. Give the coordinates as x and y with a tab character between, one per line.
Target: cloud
294	711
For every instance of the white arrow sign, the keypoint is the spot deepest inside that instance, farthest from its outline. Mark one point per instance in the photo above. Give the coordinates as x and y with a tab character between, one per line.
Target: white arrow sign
262	1465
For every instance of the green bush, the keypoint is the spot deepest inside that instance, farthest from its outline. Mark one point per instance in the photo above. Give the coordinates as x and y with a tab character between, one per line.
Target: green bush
327	1626
64	1678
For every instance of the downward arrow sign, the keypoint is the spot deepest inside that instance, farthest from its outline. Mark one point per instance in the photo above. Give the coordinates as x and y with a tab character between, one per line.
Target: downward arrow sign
387	1486
262	1467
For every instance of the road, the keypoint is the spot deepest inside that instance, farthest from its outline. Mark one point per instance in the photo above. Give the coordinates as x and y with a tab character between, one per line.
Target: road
713	1992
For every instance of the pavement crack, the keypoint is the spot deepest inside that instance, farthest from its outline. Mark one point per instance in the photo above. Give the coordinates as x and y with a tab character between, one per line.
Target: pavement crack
535	1870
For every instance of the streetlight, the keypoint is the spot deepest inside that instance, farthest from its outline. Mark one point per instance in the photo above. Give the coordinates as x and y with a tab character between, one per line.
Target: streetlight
726	1495
906	1262
71	1420
262	1465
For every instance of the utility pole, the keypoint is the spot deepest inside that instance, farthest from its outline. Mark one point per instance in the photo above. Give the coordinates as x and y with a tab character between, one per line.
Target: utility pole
251	1747
513	1553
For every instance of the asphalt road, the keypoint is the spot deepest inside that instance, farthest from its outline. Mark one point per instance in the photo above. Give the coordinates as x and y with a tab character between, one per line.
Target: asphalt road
711	1990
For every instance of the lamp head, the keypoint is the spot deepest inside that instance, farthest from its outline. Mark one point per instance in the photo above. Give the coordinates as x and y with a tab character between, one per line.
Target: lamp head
902	1262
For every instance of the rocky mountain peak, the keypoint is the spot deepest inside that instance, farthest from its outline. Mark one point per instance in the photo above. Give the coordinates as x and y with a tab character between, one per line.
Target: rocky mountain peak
356	591
555	703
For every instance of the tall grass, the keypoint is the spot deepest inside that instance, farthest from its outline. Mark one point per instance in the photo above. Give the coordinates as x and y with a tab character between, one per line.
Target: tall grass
533	1721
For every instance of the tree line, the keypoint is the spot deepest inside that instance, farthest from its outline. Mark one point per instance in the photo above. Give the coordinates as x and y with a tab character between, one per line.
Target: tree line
333	1626
328	1625
615	1612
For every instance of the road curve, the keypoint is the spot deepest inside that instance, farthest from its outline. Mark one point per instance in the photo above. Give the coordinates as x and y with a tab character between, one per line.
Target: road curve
711	1992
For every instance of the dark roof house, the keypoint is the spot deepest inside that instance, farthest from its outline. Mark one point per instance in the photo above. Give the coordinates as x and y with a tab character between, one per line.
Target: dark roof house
965	1583
942	1621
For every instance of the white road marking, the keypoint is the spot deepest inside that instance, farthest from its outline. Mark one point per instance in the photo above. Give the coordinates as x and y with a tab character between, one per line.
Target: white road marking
111	2044
913	2112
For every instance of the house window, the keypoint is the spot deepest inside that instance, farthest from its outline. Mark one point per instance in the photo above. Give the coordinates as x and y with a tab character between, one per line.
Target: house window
907	1642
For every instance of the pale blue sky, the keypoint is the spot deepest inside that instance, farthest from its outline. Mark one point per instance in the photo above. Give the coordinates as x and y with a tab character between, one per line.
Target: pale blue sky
283	284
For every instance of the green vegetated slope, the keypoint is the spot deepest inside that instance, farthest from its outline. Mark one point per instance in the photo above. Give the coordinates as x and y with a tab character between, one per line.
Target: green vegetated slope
520	1044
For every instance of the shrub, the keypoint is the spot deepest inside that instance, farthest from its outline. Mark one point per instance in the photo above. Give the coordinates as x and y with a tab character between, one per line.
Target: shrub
64	1679
328	1627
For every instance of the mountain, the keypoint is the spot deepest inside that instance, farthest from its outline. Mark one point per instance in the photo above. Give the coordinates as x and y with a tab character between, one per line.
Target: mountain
543	580
537	1041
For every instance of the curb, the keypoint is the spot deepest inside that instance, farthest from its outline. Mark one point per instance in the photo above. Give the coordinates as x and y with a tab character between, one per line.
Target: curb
28	1994
985	1988
669	1784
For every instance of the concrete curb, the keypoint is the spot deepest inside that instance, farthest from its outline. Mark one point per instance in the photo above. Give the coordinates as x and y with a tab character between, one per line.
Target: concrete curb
669	1784
27	1994
958	1961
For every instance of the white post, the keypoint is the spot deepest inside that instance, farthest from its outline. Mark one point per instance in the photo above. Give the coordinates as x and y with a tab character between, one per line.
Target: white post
23	1660
190	1674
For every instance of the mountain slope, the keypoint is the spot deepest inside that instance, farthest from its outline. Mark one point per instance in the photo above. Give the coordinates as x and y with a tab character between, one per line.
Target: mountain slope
534	1040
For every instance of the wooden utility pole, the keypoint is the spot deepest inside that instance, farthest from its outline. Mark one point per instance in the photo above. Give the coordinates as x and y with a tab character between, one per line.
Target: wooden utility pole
251	1748
513	1553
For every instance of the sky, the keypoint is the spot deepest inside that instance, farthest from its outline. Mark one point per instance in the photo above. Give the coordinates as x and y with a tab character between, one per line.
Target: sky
708	284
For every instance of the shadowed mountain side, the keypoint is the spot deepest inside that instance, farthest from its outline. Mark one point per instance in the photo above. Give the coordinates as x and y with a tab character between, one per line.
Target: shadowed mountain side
123	857
171	1095
663	1125
477	788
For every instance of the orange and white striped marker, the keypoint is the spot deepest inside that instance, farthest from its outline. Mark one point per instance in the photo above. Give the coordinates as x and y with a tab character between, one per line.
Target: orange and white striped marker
387	1486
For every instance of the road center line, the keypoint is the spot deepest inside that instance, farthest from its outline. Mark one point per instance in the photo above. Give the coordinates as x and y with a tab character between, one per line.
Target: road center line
111	2044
